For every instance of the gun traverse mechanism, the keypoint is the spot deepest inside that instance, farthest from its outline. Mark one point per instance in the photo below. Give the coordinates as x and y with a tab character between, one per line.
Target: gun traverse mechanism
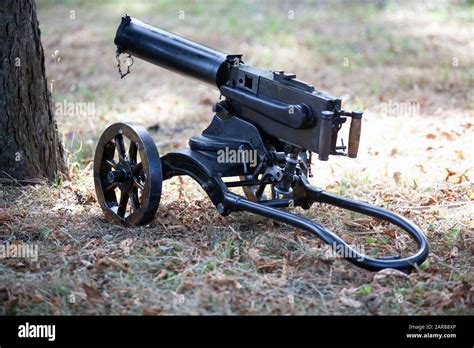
265	128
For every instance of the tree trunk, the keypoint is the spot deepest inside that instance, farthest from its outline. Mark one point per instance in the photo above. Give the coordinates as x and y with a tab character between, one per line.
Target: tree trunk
30	147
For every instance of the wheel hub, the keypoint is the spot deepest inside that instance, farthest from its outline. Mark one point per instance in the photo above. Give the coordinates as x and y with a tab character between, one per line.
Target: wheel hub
116	176
122	175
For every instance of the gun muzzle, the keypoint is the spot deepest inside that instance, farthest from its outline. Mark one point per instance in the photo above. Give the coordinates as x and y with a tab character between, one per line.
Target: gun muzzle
170	51
354	134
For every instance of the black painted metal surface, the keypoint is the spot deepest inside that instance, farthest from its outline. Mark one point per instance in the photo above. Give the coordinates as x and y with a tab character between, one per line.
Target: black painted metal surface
169	51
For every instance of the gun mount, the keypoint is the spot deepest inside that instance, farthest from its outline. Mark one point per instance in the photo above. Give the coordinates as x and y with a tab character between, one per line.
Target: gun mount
269	121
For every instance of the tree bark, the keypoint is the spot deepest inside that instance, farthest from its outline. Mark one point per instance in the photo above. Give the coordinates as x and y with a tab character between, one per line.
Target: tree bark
30	147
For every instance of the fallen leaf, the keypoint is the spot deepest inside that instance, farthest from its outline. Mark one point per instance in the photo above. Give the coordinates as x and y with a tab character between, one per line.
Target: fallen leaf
421	168
471	195
253	254
448	135
37	298
13	301
70	248
87	264
56	234
155	310
427	201
262	264
108	261
397	176
19	265
4	217
389	273
34	266
186	285
268	266
460	154
374	153
333	185
56	301
55	305
350	302
454	252
126	246
218	282
454	177
93	295
92	243
161	275
365	223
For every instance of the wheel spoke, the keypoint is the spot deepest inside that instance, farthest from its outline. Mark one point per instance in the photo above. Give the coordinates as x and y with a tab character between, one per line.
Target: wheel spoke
134	201
111	187
132	152
138	184
136	168
120	146
111	163
122	207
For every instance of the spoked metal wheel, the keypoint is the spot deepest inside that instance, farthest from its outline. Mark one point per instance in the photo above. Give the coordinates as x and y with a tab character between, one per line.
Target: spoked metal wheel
127	174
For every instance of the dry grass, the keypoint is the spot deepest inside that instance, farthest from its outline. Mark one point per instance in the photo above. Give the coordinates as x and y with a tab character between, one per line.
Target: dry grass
192	261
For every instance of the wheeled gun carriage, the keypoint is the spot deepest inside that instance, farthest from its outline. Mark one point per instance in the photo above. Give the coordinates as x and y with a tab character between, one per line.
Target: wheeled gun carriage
271	114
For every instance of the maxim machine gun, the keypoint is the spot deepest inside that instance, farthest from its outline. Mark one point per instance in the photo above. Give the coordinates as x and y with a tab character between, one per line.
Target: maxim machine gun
264	131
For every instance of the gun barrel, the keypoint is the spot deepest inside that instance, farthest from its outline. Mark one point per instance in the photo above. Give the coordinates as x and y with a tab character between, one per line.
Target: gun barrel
170	51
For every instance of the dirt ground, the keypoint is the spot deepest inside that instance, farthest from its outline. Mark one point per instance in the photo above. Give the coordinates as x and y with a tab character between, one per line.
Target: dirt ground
409	66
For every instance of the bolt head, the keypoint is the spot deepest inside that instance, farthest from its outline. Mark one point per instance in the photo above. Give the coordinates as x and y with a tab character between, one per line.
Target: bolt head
110	177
